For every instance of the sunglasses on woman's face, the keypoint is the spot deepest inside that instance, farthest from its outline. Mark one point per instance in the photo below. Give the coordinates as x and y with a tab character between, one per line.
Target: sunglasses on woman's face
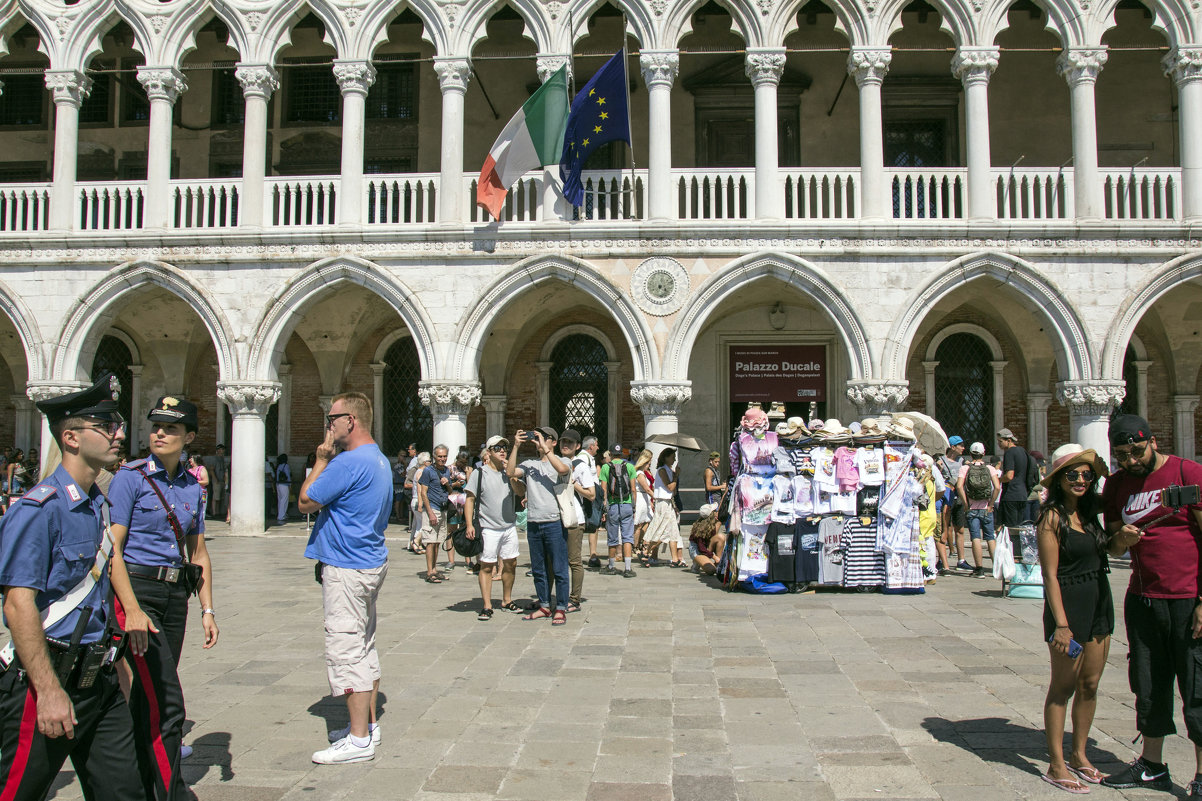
1083	475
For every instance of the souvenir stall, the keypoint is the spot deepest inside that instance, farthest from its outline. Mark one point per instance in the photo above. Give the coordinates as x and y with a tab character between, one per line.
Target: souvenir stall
818	504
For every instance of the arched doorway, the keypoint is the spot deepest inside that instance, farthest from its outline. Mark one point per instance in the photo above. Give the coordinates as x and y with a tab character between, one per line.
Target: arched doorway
579	386
964	387
405	418
113	356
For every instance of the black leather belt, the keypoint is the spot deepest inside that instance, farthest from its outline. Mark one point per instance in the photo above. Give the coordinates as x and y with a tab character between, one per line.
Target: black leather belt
169	575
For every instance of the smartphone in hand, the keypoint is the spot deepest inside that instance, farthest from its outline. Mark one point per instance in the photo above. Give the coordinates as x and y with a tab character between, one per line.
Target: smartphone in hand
1074	648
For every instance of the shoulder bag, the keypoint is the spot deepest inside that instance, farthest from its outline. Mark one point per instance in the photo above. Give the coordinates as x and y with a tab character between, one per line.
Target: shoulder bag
190	574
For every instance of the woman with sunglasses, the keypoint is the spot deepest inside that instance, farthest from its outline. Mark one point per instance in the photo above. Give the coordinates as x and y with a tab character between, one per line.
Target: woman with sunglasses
158	536
1078	611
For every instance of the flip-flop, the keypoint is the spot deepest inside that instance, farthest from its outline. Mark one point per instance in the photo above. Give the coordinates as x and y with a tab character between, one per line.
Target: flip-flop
485	614
1067	785
539	613
573	607
1090	775
512	607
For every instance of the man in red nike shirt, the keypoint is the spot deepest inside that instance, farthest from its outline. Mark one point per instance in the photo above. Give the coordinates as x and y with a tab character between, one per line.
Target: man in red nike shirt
1163	607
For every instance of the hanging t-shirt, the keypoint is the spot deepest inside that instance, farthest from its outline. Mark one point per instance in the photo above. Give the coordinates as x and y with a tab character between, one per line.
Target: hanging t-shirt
868	502
830	555
803	495
754	493
783	503
806	559
846	471
752	555
897	460
781	541
863	565
871	465
824	469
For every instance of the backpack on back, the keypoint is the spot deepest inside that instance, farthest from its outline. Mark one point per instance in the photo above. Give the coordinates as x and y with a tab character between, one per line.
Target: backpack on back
1032	474
978	483
617	486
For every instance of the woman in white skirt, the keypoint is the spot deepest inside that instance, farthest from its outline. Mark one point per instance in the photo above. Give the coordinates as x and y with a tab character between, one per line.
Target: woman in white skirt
665	523
642	500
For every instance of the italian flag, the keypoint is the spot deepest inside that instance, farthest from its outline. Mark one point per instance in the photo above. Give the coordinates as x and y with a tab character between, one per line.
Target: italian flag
532	139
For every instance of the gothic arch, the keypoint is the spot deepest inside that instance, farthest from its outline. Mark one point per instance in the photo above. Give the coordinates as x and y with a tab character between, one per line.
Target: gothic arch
794	272
387	342
611	353
677	22
23	320
1073	353
639	22
995	347
285	308
955	19
473	329
1178	271
82	322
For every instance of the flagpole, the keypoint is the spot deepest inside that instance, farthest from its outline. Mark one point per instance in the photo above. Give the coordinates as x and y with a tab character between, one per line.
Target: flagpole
629	130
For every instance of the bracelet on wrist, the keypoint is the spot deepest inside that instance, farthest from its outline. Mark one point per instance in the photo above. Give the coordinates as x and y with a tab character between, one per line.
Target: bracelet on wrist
1064	626
208	611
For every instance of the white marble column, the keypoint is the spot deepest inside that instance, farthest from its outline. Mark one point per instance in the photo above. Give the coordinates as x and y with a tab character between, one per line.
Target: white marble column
660	402
24	421
354	79
544	392
660	68
764	66
1080	67
38	391
877	397
69	88
453	76
258	81
249	402
1037	421
1184	64
551	205
377	400
494	414
163	86
283	418
928	374
449	403
999	395
973	66
1184	407
869	65
1090	404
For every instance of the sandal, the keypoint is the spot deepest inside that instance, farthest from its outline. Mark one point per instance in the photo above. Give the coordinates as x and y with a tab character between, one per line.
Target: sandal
538	614
1090	775
485	614
512	607
560	618
573	607
434	579
677	563
1067	785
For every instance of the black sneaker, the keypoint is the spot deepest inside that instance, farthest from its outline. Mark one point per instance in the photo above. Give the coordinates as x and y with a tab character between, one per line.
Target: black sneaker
627	574
609	570
1195	791
594	561
979	572
1137	774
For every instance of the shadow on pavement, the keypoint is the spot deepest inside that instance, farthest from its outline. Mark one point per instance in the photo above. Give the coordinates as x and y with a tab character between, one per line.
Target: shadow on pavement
333	710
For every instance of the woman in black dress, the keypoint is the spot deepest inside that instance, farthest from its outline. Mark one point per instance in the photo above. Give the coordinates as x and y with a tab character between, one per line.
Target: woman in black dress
1078	608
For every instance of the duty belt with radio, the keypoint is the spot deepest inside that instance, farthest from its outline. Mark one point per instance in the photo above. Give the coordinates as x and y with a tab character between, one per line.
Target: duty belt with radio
77	665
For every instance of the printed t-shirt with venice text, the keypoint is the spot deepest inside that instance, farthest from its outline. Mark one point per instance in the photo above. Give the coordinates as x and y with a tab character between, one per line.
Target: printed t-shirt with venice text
1164	563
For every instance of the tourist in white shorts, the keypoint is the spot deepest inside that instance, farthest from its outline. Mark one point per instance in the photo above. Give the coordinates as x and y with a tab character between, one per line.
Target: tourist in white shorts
491	514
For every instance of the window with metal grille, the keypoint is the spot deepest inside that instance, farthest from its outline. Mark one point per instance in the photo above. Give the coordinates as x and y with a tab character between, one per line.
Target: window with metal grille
97	107
394	94
312	94
1130	404
229	106
580	386
113	356
405	418
964	388
24	100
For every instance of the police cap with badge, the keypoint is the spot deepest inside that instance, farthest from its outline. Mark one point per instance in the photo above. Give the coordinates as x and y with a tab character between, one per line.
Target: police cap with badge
170	409
98	402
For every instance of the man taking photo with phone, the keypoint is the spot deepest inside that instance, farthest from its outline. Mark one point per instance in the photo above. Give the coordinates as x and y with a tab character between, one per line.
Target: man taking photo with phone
1163	607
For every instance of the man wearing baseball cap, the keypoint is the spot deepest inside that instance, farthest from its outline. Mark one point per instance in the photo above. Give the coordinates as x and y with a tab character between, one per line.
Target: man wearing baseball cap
544	478
1163	607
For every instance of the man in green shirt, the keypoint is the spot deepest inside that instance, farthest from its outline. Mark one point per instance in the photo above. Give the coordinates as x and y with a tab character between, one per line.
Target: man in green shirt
617	498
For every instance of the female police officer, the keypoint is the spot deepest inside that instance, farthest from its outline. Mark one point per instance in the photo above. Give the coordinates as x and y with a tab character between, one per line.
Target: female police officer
157	516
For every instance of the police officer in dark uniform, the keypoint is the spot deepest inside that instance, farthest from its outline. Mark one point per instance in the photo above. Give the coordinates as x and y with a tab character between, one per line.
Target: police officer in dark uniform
158	549
59	695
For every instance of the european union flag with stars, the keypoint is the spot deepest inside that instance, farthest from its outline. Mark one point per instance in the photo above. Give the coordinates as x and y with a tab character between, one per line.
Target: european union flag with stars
600	114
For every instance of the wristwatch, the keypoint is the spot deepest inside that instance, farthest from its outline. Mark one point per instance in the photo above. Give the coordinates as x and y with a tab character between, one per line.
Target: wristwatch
212	612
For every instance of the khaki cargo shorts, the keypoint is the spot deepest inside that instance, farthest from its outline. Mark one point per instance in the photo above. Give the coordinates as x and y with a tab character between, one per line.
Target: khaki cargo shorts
349	600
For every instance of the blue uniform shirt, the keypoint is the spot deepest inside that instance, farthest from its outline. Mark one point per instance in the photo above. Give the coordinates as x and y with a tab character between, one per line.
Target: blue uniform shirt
151	541
48	543
355	493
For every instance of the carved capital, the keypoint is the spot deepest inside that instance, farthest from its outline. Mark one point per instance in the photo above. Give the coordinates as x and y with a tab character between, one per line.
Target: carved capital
69	87
869	65
878	397
1038	401
453	74
448	397
39	391
258	80
660	67
548	65
162	83
1091	397
1185	404
975	64
1081	64
661	399
247	398
765	66
1183	64
354	77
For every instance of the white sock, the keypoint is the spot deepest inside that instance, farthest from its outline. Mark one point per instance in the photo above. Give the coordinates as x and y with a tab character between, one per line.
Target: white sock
628	560
360	742
611	561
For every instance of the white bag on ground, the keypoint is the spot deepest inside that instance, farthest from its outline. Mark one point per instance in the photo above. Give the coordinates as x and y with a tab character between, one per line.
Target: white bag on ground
1003	557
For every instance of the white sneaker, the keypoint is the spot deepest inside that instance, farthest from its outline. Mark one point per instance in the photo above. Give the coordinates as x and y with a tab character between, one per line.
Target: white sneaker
345	751
339	734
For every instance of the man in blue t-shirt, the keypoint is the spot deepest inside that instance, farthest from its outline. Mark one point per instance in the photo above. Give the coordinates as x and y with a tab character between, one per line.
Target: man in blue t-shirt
351	486
433	487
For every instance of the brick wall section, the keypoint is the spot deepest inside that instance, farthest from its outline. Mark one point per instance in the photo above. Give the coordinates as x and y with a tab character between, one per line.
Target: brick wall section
8	423
201	389
307	423
1160	399
1058	417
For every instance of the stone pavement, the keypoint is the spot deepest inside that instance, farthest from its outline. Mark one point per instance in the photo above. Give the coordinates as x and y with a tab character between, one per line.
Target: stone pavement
663	687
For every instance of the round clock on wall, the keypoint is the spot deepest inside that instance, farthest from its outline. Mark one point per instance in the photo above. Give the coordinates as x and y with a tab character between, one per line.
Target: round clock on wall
659	285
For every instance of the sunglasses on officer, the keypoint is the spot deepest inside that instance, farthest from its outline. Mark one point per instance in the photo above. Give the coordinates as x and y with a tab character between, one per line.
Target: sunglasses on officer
109	428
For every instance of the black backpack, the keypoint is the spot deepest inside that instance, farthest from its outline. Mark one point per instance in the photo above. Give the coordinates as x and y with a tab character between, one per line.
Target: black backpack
617	486
1032	475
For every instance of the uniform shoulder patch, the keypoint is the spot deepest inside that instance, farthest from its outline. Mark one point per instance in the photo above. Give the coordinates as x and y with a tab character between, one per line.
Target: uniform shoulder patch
134	465
40	494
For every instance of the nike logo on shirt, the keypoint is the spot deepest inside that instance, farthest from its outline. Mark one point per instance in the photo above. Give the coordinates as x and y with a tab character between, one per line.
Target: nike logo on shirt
1140	505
